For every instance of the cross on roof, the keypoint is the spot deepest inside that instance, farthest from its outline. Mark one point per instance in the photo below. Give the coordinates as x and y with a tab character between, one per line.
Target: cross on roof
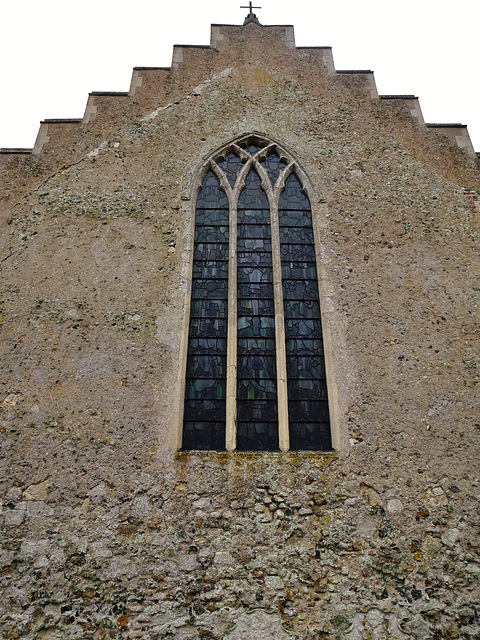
250	7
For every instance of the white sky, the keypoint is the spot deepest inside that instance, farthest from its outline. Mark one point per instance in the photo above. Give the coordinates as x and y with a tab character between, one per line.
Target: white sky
53	53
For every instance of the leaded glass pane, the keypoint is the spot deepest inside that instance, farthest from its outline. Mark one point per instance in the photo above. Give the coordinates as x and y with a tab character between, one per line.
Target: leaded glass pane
257	410
253	216
306	380
204	436
254	230
255	244
301	328
307	390
207	345
254	148
254	290
205	410
211	234
293	196
213	327
257	436
256	345
255	274
252	195
211	269
231	165
204	251
274	166
207	366
313	436
250	327
205	389
299	309
305	366
211	194
257	259
294	235
209	308
301	270
294	218
211	217
256	366
300	289
256	307
295	252
256	389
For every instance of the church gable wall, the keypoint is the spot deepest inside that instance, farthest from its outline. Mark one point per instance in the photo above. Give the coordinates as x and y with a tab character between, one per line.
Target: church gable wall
107	531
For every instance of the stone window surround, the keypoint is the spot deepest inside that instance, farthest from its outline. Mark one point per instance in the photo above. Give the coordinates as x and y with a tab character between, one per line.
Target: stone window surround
293	165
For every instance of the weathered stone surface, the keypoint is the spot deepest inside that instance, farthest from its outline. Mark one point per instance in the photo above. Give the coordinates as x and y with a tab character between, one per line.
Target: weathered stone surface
107	531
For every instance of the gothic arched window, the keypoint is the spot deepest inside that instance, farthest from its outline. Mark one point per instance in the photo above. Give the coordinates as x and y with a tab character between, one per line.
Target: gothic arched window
255	378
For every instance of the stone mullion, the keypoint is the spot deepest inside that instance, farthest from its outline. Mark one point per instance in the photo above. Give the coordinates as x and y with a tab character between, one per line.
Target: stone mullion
231	399
282	392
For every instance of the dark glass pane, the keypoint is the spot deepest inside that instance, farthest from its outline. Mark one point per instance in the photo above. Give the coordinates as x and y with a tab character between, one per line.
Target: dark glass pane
307	389
257	436
305	366
205	389
256	345
250	327
254	274
254	148
302	328
254	244
210	269
303	270
258	259
298	252
207	366
231	165
310	436
253	216
294	218
212	327
257	410
257	366
207	345
300	289
304	347
210	289
256	389
294	235
204	436
211	234
293	196
205	410
256	307
254	231
204	251
211	195
212	217
308	411
252	195
255	290
274	166
209	309
298	309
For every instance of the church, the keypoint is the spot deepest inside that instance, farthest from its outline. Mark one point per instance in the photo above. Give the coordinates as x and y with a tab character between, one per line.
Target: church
240	358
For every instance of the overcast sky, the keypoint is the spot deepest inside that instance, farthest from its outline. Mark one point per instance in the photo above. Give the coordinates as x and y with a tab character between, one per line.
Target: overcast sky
54	53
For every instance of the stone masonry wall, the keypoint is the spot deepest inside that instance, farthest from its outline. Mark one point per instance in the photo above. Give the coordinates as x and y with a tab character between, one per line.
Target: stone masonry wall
108	532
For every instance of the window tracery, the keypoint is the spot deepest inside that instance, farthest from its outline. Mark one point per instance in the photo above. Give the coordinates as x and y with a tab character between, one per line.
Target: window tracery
255	375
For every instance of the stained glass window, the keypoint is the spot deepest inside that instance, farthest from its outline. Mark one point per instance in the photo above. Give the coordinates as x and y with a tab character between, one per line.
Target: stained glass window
254	266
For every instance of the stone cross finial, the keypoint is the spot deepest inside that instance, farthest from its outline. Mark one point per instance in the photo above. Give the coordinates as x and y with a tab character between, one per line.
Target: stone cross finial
250	7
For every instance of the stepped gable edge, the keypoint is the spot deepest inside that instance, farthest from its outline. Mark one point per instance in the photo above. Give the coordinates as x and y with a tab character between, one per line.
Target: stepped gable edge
115	107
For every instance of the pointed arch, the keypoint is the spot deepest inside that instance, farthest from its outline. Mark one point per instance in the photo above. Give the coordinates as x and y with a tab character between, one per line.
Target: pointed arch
255	373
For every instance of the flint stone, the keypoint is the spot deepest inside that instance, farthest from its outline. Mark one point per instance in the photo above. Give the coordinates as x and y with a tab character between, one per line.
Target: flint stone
256	625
